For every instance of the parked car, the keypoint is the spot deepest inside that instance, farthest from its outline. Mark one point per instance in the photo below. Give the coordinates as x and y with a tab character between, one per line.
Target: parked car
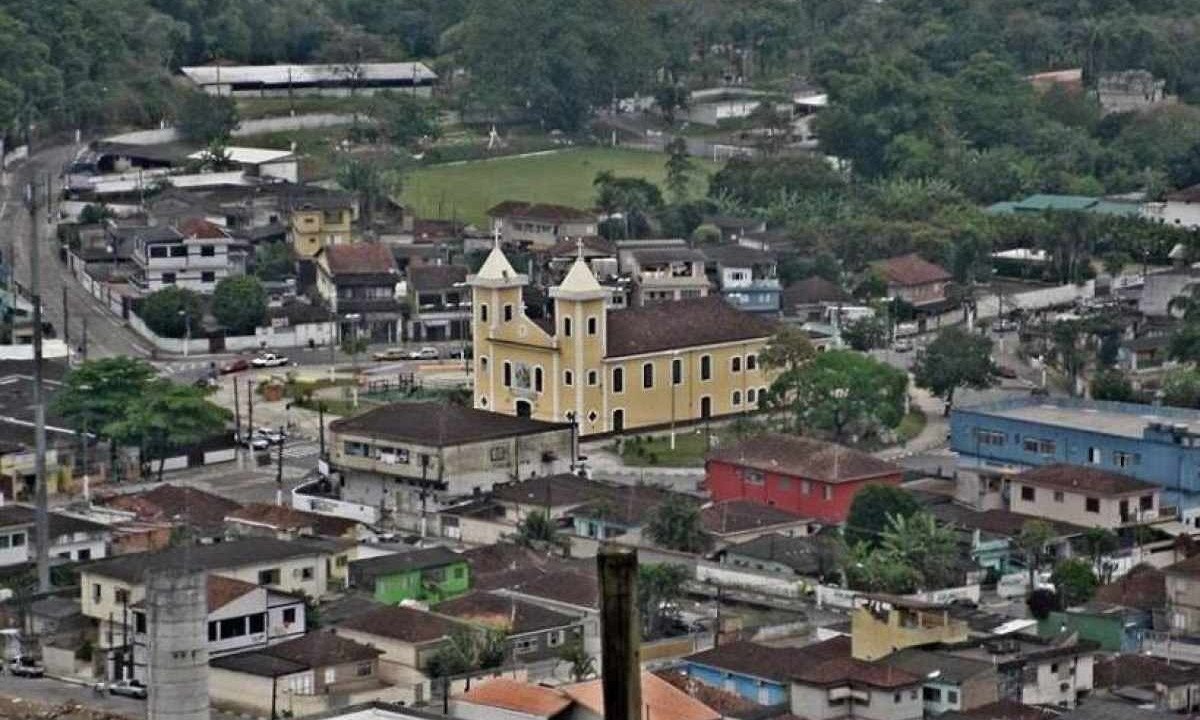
425	353
392	354
903	346
273	437
234	365
1003	325
256	442
26	667
129	688
269	360
460	353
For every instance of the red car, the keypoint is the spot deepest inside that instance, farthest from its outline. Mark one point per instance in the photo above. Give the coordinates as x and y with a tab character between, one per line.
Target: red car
235	365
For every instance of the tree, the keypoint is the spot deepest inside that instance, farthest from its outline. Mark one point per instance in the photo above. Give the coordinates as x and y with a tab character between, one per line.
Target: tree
679	169
273	261
1068	337
239	303
405	120
1184	343
840	391
675	523
865	333
789	350
956	358
1031	542
920	543
633	199
354	345
1041	603
1112	385
537	529
871	511
460	654
169	416
659	588
100	393
1099	542
873	570
205	119
1115	262
1074	581
373	180
671	98
171	311
581	665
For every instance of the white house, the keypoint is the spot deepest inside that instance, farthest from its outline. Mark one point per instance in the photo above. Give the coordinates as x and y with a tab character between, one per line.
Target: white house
72	539
194	255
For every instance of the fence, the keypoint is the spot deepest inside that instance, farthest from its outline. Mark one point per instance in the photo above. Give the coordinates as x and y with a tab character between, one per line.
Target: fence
303	500
741	579
994	305
246	128
849	599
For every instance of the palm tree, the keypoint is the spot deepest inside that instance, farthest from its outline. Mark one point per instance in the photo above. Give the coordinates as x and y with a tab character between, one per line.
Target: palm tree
1187	305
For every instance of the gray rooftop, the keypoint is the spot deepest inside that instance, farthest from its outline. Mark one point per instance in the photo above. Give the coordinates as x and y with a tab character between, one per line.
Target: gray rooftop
220	556
1107	418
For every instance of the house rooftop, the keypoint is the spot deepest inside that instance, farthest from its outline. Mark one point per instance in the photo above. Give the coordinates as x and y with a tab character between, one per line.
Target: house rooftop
813	290
801	554
1143	587
851	671
629	505
567	586
1076	478
1095	708
400	623
176	504
513	615
218	556
1131	670
60	523
728	704
1117	419
520	697
282	518
805	457
311	651
734	255
909	270
660	699
655	256
1003	710
439	424
200	229
736	516
681	324
427	278
540	211
284	75
768	662
224	590
559	490
360	258
404	562
925	663
997	522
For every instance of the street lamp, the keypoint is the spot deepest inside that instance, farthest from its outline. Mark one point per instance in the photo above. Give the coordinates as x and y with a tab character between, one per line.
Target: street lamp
187	324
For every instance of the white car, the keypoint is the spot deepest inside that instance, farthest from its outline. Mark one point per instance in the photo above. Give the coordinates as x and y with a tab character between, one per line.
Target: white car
256	442
273	437
268	360
129	688
425	353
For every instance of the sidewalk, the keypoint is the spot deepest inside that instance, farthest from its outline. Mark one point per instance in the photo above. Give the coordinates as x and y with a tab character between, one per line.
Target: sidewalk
932	436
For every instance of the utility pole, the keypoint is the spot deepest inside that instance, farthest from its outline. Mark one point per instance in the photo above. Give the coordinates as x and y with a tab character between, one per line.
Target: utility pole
237	414
279	472
83	345
41	520
66	328
249	408
321	426
620	633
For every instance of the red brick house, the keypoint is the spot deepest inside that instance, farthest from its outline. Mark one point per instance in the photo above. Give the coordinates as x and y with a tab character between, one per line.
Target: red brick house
913	279
808	477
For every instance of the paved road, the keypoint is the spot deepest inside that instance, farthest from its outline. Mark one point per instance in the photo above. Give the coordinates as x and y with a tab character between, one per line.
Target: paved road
52	692
107	335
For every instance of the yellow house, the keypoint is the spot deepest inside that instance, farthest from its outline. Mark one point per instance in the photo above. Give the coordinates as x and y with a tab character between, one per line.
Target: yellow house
884	624
317	221
610	370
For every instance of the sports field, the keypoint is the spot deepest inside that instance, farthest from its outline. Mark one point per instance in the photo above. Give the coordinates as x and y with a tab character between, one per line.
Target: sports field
467	190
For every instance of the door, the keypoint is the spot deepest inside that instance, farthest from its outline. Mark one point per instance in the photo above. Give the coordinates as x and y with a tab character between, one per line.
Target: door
618	420
705	407
524	409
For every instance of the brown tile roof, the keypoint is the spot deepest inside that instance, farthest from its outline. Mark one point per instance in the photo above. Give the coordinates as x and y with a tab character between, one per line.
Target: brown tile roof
436	277
592	247
1143	587
1130	670
1187	568
505	565
801	554
911	269
401	623
572	587
1004	710
805	457
735	516
629	505
284	518
848	670
768	662
811	291
996	522
726	703
513	615
360	258
200	228
660	699
1077	478
439	424
1189	194
224	590
174	503
312	651
517	696
681	324
540	211
552	490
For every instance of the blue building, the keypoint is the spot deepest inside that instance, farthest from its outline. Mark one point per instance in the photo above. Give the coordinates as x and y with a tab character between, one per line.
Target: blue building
758	673
1160	445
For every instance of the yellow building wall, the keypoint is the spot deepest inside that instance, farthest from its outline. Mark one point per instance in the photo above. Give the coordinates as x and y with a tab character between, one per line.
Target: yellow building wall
311	231
875	637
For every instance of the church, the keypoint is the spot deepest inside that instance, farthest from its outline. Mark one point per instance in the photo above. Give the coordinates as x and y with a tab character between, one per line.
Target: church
610	370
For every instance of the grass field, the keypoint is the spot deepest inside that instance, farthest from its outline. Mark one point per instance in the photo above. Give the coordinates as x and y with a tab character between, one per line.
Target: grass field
467	190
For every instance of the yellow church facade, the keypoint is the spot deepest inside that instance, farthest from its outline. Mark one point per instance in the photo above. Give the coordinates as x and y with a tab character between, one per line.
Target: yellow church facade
610	370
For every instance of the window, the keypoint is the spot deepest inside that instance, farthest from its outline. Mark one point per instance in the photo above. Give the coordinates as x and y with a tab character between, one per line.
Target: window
751	397
952	697
568	377
18	539
1126	459
96	593
648	375
458	573
84	554
593	378
525	645
735	364
483	363
1041	447
705	368
989	437
158	252
1028	494
121	596
751	362
507	382
930	694
618	380
805	487
179	251
754	477
508	313
897	697
268	577
139	622
676	371
736	400
258	623
1145	502
592	325
212	632
364	670
289	616
554	638
537	379
498	453
1092	505
483	313
307	573
1058	496
567	327
231	628
208	276
168	278
1095	457
208	251
828	492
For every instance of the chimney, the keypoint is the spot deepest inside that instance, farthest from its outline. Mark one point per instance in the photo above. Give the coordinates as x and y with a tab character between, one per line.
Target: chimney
620	633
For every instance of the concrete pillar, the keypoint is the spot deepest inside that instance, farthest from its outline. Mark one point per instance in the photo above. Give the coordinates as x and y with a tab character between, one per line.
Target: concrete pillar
620	633
177	647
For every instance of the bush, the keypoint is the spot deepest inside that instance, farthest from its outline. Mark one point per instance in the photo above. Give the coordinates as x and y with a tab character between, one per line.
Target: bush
171	311
240	304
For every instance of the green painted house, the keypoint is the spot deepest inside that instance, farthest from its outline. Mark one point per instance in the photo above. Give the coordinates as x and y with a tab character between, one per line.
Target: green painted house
431	575
1117	628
